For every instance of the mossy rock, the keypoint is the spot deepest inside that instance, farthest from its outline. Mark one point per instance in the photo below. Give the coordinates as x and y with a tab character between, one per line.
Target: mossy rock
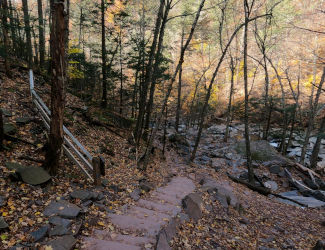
261	151
9	129
30	174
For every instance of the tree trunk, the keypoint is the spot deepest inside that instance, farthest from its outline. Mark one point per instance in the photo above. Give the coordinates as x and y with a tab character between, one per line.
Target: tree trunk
5	36
28	34
12	28
266	100
41	33
247	139
312	113
169	89
121	72
58	61
156	68
104	95
148	75
316	148
179	89
2	136
232	68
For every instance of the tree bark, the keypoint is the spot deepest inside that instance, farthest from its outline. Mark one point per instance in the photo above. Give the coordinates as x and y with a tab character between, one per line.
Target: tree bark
232	68
169	89
2	135
179	89
12	28
247	139
316	148
148	75
41	33
58	61
5	36
104	75
311	118
28	34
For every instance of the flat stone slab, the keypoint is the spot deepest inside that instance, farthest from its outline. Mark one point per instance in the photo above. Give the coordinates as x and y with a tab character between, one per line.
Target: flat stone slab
307	201
63	209
96	244
58	221
66	242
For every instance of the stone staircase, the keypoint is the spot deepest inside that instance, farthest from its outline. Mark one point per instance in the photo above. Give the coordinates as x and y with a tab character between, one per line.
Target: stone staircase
144	220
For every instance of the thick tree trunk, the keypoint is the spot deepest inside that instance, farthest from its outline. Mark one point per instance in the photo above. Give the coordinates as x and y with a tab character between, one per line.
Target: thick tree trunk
53	153
104	75
5	15
41	33
320	136
247	139
28	34
179	89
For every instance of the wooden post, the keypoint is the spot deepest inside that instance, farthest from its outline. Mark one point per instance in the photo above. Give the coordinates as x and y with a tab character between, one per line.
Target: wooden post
96	171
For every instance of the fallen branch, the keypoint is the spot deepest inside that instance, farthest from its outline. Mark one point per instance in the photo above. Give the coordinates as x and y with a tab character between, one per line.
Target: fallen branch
262	190
310	172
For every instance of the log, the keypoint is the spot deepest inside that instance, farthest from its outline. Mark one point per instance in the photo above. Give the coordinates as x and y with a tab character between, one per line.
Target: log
306	170
262	190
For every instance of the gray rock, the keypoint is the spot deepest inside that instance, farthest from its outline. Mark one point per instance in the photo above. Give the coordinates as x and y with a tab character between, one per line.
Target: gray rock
135	195
9	129
3	201
171	229
40	233
192	205
58	221
271	185
59	231
81	195
146	186
63	209
178	140
6	113
320	245
262	151
275	169
3	223
29	174
23	120
162	243
307	201
66	242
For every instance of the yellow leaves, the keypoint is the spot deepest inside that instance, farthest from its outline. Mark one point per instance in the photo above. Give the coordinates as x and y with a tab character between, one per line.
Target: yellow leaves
101	223
4	214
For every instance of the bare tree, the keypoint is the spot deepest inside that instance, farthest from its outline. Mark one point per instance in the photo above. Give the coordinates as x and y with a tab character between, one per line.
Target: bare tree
28	34
41	32
4	6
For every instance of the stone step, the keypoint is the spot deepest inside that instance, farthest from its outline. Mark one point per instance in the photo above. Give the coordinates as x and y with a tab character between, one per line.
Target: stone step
149	225
96	244
144	213
165	208
126	239
171	199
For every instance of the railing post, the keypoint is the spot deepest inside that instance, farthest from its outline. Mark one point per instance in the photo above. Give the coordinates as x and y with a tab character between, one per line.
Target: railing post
96	171
31	81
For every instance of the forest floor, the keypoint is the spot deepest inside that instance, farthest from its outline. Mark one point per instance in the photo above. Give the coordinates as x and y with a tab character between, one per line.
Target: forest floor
263	221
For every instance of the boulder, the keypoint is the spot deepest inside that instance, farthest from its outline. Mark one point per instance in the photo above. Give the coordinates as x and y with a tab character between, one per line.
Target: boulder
40	233
146	186
66	242
162	243
193	205
262	151
63	209
178	140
